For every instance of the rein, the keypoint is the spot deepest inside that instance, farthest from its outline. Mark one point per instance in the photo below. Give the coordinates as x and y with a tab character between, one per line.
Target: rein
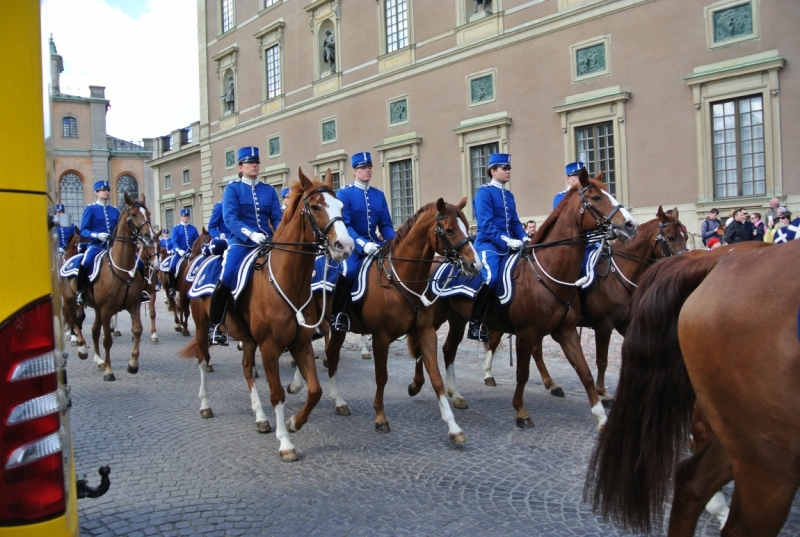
136	238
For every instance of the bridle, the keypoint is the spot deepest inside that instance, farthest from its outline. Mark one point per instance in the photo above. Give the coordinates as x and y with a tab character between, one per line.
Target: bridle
449	250
666	251
320	233
600	219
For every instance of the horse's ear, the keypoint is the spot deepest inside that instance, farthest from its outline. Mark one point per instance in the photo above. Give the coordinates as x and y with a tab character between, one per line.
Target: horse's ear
328	178
305	182
128	200
583	177
441	206
675	213
660	214
143	200
204	231
461	204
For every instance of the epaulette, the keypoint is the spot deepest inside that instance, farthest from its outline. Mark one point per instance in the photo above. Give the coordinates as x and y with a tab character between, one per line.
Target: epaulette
348	186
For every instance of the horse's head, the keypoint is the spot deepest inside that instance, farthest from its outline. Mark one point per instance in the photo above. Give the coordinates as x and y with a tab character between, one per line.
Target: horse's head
450	237
670	239
324	212
202	240
137	219
599	209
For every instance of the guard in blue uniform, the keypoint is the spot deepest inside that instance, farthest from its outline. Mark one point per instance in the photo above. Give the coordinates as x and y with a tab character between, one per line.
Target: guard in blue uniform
164	240
369	222
284	198
499	233
97	224
216	224
573	170
65	233
251	211
183	236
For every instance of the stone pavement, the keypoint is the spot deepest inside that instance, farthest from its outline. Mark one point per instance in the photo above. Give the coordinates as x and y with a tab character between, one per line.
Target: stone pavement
174	473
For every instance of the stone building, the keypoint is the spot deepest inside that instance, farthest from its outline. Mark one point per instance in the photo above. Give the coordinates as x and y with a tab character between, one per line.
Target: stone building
678	101
83	152
176	168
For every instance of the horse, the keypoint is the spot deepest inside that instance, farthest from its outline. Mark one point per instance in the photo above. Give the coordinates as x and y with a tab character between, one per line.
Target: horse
394	303
70	320
605	304
118	287
150	257
692	346
271	311
545	295
179	304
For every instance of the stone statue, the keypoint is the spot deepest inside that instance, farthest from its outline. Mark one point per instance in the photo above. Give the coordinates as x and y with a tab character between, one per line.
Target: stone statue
329	50
229	96
486	6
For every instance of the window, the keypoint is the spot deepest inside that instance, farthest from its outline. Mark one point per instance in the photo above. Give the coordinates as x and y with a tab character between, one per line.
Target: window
71	194
402	191
169	219
167	182
396	25
70	127
126	184
227	15
186	177
479	156
594	145
269	3
336	181
738	138
273	71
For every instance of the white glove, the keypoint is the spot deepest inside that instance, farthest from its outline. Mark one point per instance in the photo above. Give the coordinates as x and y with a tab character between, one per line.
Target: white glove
222	236
103	236
60	251
527	239
181	252
258	238
371	248
514	244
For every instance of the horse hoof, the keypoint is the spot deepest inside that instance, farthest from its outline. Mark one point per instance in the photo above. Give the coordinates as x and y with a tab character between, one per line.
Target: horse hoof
489	381
325	363
382	427
343	410
524	423
210	368
607	403
206	413
133	370
178	329
83	355
117	333
460	402
290	455
109	377
263	426
457	438
557	392
411	391
153	340
366	356
186	333
291	389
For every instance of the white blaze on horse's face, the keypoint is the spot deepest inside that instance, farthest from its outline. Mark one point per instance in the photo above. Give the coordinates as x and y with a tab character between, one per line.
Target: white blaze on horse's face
476	265
149	235
342	245
631	225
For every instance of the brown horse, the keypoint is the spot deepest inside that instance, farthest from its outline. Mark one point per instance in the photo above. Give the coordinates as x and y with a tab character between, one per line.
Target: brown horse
605	305
692	342
150	257
546	278
272	310
393	305
118	287
69	316
179	304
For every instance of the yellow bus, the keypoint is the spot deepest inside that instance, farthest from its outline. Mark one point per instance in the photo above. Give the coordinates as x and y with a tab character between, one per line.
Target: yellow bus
38	492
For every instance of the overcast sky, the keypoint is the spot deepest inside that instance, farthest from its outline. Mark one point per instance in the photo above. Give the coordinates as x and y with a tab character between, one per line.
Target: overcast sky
143	51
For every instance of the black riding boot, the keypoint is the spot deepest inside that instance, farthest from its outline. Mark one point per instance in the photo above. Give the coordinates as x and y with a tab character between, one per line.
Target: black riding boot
173	284
216	314
340	322
83	279
477	329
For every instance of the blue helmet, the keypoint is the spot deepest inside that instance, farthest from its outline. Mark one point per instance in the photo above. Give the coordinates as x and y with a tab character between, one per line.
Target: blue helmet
60	208
574	168
101	185
360	160
185	212
499	159
247	154
284	193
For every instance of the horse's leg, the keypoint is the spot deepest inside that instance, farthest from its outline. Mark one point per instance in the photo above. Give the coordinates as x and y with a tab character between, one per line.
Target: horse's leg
527	344
570	343
270	355
96	328
549	384
364	350
380	351
108	374
491	348
419	377
183	299
454	337
602	339
304	357
248	365
115	325
298	381
152	308
136	321
332	354
697	480
427	340
203	356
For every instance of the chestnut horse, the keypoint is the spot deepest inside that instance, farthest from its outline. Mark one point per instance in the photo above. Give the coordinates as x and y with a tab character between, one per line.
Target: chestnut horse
118	287
272	312
179	304
605	304
691	345
546	278
393	304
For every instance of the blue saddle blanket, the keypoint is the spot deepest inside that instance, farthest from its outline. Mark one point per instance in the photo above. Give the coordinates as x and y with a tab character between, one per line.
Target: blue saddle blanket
461	285
208	273
359	285
194	267
590	259
164	266
70	268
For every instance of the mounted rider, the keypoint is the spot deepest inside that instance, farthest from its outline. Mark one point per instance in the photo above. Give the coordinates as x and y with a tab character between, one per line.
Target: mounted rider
369	222
183	236
64	233
500	232
97	224
219	232
252	213
284	198
573	171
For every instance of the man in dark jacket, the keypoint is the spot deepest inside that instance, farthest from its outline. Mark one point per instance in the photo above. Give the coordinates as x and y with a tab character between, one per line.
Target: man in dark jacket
736	230
710	226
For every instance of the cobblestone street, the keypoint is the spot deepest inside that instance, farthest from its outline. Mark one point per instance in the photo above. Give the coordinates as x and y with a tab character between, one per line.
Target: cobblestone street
174	473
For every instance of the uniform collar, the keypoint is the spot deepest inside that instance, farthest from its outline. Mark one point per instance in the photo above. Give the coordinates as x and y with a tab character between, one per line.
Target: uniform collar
498	184
248	181
362	186
102	203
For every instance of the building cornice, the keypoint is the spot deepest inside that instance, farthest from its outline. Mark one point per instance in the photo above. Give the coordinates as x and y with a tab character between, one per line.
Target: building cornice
184	151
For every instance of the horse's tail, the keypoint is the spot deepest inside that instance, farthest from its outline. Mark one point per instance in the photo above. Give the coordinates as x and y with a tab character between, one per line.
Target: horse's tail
631	468
190	350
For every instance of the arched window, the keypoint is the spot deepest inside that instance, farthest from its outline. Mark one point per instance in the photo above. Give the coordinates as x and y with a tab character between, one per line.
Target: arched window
71	194
70	127
126	183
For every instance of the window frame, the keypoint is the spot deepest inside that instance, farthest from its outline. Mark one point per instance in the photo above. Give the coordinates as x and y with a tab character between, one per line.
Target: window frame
69	124
400	148
590	164
401	41
169	218
121	195
739	169
167	181
394	198
186	176
723	5
483	173
273	83
72	209
231	5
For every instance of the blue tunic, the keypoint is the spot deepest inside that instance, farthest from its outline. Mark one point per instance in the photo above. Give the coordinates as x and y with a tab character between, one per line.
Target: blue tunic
64	235
216	225
97	218
496	213
560	196
183	237
365	214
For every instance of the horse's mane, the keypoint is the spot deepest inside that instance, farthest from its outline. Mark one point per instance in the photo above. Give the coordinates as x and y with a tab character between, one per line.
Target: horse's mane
405	229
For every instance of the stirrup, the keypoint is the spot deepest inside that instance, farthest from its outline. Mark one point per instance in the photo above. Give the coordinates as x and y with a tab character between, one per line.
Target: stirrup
171	292
478	332
80	300
317	335
340	322
215	337
145	296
